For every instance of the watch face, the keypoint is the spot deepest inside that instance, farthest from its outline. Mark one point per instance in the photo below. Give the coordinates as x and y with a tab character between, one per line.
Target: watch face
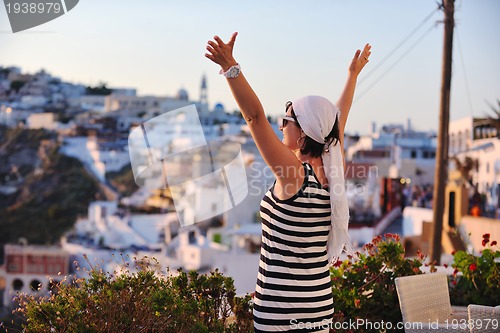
233	72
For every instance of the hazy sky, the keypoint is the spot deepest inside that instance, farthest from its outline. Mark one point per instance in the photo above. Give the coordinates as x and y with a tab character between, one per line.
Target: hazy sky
287	48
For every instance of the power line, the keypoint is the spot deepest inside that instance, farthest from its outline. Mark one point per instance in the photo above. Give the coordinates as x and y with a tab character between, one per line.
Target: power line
398	46
394	64
465	74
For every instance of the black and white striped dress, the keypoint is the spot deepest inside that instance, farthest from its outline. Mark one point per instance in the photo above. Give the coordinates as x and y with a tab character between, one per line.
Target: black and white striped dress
294	291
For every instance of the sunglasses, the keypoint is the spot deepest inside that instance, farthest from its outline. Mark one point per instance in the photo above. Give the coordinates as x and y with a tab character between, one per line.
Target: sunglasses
283	121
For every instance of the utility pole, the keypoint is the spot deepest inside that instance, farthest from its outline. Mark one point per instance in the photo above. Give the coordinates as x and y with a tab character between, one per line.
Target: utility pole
441	171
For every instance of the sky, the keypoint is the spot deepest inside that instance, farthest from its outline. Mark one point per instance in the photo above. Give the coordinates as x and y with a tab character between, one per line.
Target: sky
286	48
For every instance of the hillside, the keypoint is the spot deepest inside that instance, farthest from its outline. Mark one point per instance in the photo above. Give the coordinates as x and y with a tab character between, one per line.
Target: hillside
51	189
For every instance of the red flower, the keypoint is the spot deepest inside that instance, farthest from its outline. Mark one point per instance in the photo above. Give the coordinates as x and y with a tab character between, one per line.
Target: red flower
472	267
445	265
453	252
493	243
455	272
486	236
454	282
377	239
357	302
338	263
485	241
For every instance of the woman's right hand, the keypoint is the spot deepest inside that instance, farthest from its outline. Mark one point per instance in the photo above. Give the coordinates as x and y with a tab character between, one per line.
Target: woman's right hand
222	53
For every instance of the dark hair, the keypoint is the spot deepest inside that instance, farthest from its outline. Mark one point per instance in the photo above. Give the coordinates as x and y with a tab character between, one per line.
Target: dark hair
313	148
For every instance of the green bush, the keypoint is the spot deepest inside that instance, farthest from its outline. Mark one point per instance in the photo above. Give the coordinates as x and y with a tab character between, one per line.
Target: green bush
479	282
142	301
364	289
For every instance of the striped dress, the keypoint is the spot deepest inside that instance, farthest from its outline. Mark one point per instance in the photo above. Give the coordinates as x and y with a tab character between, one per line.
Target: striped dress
294	291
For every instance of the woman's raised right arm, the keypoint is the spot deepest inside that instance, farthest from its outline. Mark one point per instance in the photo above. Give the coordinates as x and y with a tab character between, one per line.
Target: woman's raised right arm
276	155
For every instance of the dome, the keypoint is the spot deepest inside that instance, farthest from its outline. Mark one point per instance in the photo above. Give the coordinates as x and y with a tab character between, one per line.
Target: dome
219	106
183	95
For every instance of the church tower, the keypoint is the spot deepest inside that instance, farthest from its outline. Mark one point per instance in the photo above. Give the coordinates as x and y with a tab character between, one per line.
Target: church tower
203	91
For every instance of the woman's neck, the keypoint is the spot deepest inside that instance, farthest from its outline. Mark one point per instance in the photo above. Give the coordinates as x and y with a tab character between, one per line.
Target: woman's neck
314	161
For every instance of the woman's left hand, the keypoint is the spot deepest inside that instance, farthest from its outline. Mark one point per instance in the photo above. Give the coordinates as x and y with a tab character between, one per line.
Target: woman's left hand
361	58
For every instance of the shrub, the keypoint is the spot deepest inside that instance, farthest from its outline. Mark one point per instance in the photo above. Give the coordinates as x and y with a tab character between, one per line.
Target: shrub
143	301
364	289
479	282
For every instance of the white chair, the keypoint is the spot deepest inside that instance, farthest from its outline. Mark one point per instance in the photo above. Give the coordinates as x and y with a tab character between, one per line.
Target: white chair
484	319
425	304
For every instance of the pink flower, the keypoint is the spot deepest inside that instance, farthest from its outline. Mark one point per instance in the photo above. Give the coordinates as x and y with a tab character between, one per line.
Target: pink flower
420	254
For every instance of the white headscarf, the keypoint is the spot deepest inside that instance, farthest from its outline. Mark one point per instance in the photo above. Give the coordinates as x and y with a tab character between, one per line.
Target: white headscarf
316	116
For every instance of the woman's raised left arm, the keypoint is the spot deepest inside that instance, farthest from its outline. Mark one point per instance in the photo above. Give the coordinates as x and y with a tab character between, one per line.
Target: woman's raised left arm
344	102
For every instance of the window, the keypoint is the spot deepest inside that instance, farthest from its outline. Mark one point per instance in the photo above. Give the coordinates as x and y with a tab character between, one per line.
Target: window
14	263
192	237
13	267
52	284
35	285
17	284
54	269
413	154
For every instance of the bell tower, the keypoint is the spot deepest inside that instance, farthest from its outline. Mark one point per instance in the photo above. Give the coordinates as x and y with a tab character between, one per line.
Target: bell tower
203	91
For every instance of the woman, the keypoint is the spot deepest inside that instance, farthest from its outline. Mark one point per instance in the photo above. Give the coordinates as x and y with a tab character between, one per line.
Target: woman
305	212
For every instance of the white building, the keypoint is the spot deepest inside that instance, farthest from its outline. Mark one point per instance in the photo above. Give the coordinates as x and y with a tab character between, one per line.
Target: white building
479	139
108	229
107	159
44	120
90	102
397	152
28	268
191	250
31	101
133	104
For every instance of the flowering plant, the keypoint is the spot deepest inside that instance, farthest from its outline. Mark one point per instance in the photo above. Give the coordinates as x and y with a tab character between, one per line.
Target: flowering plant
141	301
365	289
479	281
